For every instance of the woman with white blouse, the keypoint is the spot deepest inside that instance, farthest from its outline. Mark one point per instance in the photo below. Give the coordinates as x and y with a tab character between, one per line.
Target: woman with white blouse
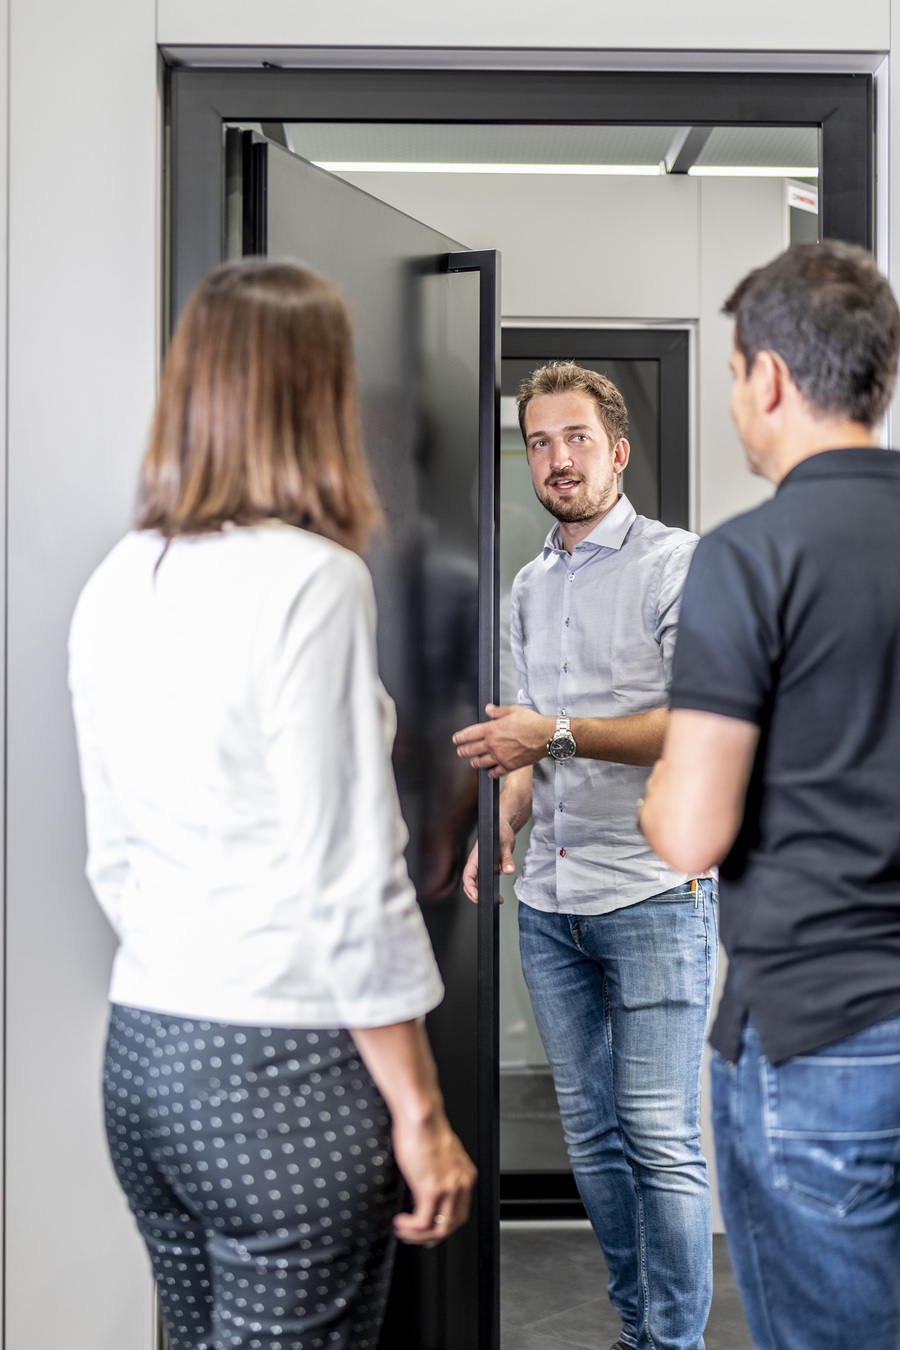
266	1061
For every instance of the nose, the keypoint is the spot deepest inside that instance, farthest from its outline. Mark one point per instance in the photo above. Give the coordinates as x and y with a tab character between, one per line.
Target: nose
560	457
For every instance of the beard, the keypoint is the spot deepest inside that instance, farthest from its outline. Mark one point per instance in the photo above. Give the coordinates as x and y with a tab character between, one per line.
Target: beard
586	505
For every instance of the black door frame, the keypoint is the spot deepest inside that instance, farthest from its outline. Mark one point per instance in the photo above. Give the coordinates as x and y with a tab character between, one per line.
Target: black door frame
200	102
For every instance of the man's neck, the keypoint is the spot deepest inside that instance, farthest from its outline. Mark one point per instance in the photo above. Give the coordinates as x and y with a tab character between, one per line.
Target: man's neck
835	433
571	532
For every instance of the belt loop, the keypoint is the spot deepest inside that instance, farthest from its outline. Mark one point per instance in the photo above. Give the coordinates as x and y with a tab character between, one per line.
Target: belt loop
695	891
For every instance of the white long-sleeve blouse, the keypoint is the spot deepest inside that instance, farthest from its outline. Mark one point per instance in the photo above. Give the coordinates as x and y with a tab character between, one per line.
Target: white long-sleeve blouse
244	834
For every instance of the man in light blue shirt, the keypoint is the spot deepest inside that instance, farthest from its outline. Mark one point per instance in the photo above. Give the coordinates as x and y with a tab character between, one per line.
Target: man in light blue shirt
618	949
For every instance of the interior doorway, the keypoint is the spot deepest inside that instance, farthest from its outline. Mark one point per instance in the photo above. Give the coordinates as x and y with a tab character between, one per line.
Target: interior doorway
651	367
835	111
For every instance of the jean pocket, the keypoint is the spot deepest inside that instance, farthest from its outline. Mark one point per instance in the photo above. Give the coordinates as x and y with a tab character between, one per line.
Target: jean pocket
832	1124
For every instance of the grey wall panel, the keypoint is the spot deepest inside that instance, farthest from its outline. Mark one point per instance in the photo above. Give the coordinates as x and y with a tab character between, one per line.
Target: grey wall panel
83	321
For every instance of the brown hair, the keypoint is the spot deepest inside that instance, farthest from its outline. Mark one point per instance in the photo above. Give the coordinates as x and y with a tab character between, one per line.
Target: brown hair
565	377
257	415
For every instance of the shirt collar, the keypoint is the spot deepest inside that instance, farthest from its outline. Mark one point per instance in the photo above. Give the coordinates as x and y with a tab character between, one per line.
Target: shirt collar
610	532
861	459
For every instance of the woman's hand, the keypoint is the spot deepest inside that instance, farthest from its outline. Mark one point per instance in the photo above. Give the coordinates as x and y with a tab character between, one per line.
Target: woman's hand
433	1163
440	1175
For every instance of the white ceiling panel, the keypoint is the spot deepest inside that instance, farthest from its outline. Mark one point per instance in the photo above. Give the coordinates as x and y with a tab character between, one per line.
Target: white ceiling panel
478	144
756	147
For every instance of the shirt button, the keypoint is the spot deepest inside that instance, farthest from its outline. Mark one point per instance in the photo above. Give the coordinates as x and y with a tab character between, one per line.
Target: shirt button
561	807
562	712
566	666
562	852
571	576
567	623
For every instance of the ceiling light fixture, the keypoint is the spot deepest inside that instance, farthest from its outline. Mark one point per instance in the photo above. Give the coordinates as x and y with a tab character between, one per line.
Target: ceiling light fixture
372	166
749	171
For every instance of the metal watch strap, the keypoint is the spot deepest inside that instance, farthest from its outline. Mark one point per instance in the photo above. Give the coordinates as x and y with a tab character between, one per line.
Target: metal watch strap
562	744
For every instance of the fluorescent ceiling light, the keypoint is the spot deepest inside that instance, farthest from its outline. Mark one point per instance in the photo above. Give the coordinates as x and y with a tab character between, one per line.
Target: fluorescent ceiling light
749	171
372	166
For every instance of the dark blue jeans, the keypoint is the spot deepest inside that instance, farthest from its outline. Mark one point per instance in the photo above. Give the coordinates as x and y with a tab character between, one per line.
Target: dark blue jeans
621	1002
808	1155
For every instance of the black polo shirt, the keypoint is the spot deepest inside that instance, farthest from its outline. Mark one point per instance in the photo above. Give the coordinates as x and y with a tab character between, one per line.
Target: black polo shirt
791	620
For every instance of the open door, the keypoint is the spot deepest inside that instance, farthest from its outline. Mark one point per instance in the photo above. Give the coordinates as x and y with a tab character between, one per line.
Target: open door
426	319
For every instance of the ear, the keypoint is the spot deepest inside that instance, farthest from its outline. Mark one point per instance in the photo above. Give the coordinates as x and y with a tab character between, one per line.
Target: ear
768	375
621	451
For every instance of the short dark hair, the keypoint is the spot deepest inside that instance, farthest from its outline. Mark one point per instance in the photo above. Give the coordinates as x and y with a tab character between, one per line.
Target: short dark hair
257	415
565	377
831	316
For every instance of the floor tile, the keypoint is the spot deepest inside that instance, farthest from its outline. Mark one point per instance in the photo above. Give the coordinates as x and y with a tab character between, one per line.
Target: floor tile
542	1273
553	1283
586	1327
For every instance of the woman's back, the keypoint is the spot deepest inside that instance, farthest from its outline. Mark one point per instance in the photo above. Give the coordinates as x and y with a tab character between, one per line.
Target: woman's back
244	835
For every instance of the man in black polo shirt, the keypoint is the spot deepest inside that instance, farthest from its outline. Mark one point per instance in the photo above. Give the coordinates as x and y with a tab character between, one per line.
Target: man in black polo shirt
782	762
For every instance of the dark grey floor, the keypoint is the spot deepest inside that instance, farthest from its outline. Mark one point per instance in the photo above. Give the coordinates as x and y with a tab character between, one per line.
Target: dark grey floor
531	1134
553	1293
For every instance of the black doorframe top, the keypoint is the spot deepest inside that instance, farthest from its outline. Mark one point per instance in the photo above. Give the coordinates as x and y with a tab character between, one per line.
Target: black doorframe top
841	106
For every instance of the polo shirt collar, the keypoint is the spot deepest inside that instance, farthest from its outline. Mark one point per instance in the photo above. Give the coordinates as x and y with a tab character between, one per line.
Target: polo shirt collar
860	459
610	532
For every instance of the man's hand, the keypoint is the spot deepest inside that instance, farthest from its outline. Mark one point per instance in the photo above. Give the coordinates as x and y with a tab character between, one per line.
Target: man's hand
514	738
470	871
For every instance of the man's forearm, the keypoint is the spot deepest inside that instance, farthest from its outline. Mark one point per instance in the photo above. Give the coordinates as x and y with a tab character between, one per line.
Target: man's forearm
515	799
517	737
621	740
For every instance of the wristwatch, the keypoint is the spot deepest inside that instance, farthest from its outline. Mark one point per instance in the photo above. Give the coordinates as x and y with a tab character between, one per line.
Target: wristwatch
563	744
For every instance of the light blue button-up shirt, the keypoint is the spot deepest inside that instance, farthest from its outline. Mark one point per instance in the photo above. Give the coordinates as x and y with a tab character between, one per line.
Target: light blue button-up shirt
593	635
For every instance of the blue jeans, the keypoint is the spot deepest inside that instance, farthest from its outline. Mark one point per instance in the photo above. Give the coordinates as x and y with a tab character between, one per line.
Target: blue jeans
621	1002
808	1155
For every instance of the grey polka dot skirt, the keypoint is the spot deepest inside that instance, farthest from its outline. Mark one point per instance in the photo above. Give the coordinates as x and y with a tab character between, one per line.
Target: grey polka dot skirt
257	1163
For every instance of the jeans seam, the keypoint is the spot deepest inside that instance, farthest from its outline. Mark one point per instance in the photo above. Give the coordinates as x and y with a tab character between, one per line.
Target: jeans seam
737	1119
642	1249
641	1233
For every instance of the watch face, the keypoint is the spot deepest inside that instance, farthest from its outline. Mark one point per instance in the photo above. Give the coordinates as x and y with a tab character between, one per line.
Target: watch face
562	746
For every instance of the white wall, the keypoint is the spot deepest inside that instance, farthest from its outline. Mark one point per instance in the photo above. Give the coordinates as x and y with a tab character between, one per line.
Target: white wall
607	248
82	127
581	247
771	25
741	226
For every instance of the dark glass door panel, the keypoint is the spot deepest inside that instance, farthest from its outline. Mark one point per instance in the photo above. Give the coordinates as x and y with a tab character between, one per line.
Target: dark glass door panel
420	365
